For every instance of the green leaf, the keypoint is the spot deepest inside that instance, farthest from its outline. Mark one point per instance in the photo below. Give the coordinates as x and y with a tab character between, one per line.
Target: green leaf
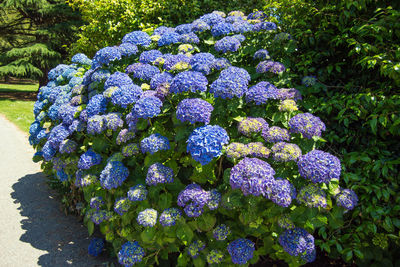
184	233
148	235
164	201
206	222
90	226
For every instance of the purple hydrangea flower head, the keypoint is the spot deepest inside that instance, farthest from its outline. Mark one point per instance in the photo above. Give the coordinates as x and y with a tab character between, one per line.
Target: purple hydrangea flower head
130	150
137	38
309	81
249	125
169	38
212	18
257	149
261	54
154	143
149	56
113	175
193	198
137	193
96	202
78	100
319	166
284	152
347	199
130	254
58	134
99	216
194	110
221	232
215	199
88	159
123	96
275	134
227	44
184	28
158	173
241	250
270	66
95	247
312	196
205	143
195	247
215	257
298	242
175	62
147	107
67	146
113	121
81	59
190	38
122	205
288	93
95	125
147	218
280	192
97	105
124	136
285	222
105	56
149	93
127	49
118	79
200	26
251	175
161	78
169	216
306	124
222	28
142	71
189	81
236	150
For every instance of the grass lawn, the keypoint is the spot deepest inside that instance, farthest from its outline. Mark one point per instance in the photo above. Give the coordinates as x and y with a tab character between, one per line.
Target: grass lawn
19	87
18	112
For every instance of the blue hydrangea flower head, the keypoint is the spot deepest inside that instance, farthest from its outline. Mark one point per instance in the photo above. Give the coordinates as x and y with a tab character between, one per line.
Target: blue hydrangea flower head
176	62
257	15
169	216
124	136
105	56
221	232
280	192
200	26
232	82
288	93
189	81
127	49
288	105
137	193
222	28
242	27
95	247
265	25
113	121
309	80
130	254
48	151
252	176
142	71
35	128
96	202
347	199
249	125
123	96
147	218
212	18
67	146
130	149
298	242
154	143
284	152
261	54
285	222
195	247
169	38
194	110
137	38
270	66
88	159
161	78
241	250
239	37
215	199
58	134
95	125
227	44
205	143
158	173
57	71
62	176
97	105
149	56
118	79
306	124
113	175
81	59
190	38
147	107
215	257
199	60
312	196
66	113
122	205
319	166
184	28
220	64
193	198
99	216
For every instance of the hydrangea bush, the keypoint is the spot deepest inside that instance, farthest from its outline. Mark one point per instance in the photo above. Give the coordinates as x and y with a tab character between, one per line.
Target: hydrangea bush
191	145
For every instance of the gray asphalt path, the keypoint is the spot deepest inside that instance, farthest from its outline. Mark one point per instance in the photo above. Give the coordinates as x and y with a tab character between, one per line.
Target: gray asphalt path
33	229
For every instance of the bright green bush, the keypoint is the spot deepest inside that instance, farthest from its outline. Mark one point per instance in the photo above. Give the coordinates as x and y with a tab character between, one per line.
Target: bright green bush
103	136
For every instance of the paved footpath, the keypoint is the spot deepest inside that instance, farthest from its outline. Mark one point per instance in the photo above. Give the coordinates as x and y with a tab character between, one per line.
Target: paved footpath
33	229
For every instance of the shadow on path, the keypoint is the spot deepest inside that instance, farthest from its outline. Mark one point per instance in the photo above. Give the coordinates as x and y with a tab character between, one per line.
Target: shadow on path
47	228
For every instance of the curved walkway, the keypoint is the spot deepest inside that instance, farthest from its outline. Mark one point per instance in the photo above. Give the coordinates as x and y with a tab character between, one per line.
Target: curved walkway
33	229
